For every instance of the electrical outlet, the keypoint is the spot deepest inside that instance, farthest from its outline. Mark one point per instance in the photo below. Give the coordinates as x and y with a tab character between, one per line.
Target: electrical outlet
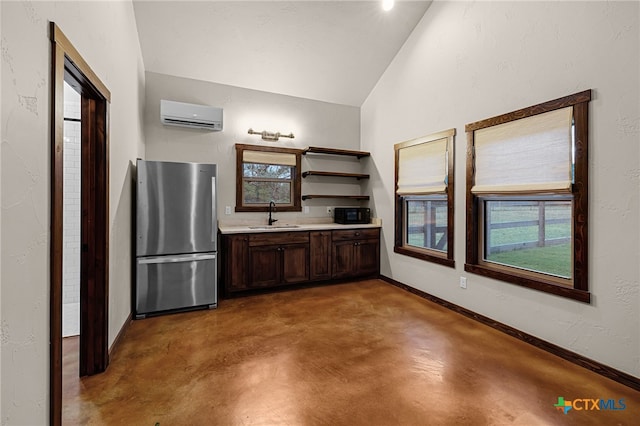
329	211
306	209
227	210
463	282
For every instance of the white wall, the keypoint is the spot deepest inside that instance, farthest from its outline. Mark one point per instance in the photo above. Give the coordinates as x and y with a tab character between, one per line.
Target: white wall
313	123
105	35
469	61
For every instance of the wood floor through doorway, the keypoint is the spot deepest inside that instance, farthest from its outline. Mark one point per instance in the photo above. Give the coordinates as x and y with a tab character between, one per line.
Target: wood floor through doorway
362	353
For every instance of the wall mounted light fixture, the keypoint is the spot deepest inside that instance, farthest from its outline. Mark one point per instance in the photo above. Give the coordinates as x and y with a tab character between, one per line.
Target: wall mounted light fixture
269	136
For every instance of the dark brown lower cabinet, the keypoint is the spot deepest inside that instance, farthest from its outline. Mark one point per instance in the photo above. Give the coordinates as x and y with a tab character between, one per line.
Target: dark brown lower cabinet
278	258
320	255
355	253
271	266
264	266
295	263
235	249
275	259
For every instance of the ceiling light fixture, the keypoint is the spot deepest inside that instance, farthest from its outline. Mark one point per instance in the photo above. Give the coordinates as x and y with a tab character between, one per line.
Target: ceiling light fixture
269	136
387	5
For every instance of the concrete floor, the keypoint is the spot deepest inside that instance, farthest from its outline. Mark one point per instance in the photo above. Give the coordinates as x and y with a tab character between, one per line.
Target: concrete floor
364	353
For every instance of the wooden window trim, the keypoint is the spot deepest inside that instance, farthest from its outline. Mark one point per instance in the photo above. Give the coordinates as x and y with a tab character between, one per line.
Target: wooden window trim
296	192
579	289
434	256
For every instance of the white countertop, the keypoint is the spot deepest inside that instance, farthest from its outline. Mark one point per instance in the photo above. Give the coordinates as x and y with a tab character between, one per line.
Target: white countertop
284	227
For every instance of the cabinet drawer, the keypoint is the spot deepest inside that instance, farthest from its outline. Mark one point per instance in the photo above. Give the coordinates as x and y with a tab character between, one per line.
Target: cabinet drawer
267	239
355	234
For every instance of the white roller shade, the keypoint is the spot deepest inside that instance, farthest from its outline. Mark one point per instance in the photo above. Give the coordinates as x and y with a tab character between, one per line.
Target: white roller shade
267	157
422	168
531	154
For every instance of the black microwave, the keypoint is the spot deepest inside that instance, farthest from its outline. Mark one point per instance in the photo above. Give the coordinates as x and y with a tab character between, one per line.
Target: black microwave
351	215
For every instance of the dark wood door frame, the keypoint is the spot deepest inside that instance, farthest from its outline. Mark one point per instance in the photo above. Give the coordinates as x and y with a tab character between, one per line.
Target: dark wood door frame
94	291
94	356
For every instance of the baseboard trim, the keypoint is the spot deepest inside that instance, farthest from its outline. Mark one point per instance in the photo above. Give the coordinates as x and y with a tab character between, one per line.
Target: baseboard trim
121	333
589	364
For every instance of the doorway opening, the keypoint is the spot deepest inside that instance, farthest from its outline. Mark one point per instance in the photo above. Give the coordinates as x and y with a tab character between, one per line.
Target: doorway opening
92	244
71	226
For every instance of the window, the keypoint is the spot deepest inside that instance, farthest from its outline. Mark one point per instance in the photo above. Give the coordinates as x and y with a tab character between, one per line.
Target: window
424	198
267	174
527	197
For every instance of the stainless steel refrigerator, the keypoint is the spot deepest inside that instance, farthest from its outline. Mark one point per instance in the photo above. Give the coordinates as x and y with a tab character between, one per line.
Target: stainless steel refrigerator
176	237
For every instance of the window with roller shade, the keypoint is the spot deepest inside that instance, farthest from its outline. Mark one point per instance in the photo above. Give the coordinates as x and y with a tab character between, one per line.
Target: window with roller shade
265	174
527	188
424	198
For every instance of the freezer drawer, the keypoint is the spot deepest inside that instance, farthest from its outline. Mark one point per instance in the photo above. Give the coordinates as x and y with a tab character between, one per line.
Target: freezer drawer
175	282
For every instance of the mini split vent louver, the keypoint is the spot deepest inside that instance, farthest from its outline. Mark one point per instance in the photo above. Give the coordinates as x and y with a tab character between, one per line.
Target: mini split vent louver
190	115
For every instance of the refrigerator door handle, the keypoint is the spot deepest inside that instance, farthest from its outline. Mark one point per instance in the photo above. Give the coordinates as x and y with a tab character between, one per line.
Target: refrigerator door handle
176	259
214	225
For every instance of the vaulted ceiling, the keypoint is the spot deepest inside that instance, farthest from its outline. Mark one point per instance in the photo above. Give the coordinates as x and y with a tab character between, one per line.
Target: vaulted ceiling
333	51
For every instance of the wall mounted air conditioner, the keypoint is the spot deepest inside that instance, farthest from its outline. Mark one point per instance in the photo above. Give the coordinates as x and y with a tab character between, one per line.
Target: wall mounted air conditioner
190	115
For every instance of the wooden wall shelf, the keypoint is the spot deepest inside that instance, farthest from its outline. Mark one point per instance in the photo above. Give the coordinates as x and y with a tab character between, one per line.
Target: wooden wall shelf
336	174
344	197
335	151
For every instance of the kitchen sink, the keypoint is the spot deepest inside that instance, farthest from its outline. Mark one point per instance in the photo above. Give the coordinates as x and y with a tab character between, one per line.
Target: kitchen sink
274	227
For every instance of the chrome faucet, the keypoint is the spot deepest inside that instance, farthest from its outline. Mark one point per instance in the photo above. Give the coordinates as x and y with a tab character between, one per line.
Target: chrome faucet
272	208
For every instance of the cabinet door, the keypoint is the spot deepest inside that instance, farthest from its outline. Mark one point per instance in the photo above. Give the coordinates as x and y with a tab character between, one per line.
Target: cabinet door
367	257
236	257
295	263
320	255
264	266
342	259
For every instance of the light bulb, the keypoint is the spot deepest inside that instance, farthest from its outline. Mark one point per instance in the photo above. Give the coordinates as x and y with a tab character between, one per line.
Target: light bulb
387	5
